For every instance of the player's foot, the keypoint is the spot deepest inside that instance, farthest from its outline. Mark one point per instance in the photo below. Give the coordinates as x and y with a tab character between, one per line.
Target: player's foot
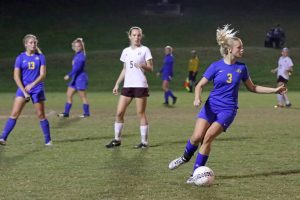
166	103
2	142
63	115
113	143
288	105
84	115
278	106
48	144
177	162
174	100
141	146
190	180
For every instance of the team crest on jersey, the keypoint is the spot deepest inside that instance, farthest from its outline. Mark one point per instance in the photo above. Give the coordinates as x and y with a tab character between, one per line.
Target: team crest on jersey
239	71
37	58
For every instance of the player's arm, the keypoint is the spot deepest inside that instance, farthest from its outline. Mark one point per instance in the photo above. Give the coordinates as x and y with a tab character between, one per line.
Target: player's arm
274	70
18	81
148	66
198	91
119	80
263	90
77	66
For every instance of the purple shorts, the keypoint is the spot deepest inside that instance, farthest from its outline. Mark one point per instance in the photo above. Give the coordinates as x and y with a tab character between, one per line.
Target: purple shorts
36	95
80	82
223	117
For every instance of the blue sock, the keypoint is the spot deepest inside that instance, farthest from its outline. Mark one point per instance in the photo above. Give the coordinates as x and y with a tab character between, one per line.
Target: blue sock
86	109
170	93
166	97
10	124
46	130
68	107
189	150
200	160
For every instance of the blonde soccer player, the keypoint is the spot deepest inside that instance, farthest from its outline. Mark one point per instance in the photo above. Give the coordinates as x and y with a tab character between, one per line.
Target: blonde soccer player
137	60
220	109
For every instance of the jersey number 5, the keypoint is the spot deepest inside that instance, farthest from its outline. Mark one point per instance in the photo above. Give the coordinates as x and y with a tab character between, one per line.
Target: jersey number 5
31	65
229	76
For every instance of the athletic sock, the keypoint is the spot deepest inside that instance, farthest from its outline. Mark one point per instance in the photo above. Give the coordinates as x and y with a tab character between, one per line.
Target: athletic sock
280	99
144	133
46	130
189	150
68	107
118	130
10	124
166	97
170	93
200	160
86	109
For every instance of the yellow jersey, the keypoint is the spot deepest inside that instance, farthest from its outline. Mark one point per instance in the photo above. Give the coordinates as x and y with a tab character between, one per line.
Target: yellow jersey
194	64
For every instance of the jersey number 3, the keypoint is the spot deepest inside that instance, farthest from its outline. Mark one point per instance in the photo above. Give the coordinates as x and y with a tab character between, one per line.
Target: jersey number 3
31	65
229	78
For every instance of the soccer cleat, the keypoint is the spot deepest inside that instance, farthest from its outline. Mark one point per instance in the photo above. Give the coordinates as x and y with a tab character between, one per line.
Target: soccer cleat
166	103
113	143
174	100
177	162
63	115
141	146
48	144
288	105
278	106
190	180
2	142
84	115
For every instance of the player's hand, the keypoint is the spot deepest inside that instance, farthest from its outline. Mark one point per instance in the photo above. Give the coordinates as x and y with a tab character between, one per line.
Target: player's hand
170	77
281	90
273	71
29	87
158	74
290	73
116	90
197	102
66	77
27	97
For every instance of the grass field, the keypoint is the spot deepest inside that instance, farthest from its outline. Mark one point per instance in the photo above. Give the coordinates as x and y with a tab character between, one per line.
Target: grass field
257	158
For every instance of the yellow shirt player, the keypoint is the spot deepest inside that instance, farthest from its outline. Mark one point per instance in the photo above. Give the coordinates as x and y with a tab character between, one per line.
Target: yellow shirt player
193	68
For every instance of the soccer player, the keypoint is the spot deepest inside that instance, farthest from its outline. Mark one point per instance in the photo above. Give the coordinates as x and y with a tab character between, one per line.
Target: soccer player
29	74
136	60
167	75
221	106
79	80
193	68
284	70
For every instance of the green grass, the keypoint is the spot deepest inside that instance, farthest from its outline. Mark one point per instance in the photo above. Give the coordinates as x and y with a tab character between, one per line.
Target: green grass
257	158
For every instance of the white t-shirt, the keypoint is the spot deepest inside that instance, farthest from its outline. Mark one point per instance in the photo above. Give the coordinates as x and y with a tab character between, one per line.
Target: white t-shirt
284	64
134	76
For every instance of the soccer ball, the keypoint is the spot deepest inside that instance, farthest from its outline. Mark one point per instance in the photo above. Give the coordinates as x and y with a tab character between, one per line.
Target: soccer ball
203	176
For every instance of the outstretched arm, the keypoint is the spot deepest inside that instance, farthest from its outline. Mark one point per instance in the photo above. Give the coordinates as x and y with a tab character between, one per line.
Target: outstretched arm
263	90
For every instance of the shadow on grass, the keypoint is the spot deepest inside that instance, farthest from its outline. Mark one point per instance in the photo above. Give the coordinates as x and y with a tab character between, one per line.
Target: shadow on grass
81	139
266	174
63	122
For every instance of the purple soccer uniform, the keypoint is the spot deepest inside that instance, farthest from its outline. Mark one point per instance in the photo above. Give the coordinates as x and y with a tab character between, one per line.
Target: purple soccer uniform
79	78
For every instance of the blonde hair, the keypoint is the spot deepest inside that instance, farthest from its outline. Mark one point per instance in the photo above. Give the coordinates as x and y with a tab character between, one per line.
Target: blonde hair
135	28
80	40
25	39
169	48
225	37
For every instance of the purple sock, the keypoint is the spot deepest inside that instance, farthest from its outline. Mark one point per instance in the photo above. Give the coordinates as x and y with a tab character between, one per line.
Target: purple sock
86	109
170	93
68	107
189	150
166	97
46	130
200	160
10	124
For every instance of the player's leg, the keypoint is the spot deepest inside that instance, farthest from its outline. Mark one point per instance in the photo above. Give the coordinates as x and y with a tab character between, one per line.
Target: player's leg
85	103
141	104
70	93
123	103
17	108
200	129
168	92
44	123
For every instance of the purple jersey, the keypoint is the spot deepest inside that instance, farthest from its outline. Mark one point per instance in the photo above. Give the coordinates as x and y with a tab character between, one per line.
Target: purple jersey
167	68
30	68
79	79
226	79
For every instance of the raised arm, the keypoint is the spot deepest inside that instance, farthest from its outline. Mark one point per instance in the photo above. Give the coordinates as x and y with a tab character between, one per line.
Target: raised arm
263	90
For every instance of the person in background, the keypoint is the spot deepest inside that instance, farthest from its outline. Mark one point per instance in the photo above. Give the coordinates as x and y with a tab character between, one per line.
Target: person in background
193	68
221	106
284	70
79	80
136	59
167	74
29	75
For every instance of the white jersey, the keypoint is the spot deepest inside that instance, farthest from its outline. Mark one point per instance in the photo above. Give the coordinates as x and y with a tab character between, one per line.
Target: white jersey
134	76
284	65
